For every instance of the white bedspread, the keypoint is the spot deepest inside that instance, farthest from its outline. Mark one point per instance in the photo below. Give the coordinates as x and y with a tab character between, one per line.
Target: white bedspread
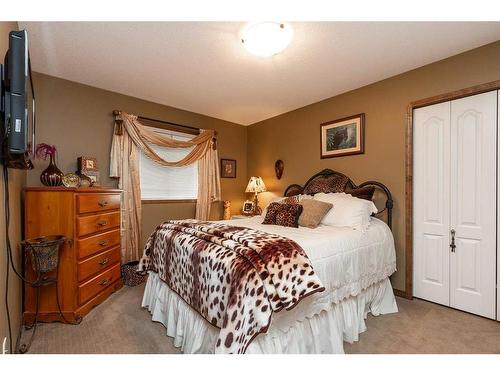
354	268
347	261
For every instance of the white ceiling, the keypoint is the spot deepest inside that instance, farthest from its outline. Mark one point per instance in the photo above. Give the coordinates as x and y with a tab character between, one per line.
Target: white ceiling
202	66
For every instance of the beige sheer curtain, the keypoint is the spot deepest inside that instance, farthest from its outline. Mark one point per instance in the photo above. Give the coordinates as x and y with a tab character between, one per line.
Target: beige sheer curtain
129	139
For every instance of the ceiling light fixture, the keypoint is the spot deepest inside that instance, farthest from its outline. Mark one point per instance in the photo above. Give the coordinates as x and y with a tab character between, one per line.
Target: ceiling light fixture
266	38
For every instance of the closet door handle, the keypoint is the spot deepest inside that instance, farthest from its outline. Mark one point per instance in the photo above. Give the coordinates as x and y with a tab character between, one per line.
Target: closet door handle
452	244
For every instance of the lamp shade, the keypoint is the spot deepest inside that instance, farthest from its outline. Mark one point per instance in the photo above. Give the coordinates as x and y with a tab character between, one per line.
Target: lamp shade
255	185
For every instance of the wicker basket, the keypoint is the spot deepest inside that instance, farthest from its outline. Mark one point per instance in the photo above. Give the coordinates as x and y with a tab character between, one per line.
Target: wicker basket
44	252
130	276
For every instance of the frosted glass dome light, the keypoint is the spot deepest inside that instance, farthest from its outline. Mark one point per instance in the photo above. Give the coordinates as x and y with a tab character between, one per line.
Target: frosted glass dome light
266	38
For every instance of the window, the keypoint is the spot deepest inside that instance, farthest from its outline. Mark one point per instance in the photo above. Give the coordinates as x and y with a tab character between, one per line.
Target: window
168	183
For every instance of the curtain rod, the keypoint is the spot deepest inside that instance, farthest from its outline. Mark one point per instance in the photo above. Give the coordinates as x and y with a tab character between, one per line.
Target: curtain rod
117	112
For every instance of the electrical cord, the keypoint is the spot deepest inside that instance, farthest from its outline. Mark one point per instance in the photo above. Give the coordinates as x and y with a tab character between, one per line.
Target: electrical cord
10	263
10	260
7	239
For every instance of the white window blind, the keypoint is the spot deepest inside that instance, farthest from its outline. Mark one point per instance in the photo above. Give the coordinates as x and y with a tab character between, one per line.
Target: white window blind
168	183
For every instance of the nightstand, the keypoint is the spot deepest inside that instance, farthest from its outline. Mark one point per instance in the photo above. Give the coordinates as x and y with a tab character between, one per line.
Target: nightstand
234	217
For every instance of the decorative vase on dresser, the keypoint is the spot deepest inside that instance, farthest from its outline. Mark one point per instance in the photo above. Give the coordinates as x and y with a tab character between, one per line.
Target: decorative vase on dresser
51	176
89	269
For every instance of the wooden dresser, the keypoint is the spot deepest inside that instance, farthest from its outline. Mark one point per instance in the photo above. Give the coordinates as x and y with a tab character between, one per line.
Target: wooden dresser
89	268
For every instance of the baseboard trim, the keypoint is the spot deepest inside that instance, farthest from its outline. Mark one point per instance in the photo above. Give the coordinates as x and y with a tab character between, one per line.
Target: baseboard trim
402	293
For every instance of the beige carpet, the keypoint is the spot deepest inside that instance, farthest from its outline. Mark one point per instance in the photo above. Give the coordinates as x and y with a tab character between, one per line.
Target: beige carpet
120	325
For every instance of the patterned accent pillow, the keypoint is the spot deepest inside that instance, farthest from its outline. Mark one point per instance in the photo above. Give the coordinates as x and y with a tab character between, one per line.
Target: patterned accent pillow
327	184
271	212
365	192
294	199
286	215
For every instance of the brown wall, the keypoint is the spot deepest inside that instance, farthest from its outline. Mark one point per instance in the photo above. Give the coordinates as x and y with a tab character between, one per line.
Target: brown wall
17	180
78	120
294	136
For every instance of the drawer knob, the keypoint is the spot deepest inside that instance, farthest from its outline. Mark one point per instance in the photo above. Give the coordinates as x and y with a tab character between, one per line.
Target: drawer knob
105	282
103	243
104	262
103	203
102	223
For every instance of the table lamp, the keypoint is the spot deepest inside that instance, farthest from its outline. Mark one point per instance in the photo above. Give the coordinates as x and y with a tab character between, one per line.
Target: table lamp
256	185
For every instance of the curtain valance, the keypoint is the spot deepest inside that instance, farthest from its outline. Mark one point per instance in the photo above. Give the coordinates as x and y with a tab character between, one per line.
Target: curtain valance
129	139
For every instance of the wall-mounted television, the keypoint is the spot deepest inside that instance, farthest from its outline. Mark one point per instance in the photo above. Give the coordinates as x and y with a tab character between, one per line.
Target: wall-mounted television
17	104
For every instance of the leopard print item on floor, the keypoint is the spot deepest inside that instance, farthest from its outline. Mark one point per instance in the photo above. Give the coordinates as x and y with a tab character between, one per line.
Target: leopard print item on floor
234	277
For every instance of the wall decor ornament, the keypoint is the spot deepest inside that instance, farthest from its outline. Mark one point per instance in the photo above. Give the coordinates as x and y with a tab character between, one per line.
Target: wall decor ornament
278	168
343	137
51	176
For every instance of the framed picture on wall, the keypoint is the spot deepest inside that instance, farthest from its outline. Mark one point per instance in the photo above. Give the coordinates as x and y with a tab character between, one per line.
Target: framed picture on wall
228	168
343	137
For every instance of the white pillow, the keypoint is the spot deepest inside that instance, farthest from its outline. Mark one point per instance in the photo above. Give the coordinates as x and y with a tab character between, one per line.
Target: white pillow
347	211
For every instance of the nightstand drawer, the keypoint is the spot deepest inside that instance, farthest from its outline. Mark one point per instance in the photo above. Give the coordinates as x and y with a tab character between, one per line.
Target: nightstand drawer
97	202
97	263
92	287
97	223
97	243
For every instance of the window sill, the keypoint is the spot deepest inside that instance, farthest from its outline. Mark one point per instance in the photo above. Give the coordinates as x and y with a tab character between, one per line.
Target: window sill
161	201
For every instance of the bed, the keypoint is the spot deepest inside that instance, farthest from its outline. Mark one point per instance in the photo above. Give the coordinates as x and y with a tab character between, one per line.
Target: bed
353	267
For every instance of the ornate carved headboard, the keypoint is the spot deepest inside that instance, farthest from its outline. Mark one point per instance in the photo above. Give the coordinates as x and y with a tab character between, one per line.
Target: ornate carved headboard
295	189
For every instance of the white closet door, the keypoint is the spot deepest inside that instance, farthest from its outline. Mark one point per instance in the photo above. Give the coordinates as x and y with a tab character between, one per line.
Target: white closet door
498	213
473	203
431	202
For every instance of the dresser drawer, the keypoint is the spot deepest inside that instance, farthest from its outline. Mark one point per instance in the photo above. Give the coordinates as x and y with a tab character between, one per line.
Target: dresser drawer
95	285
97	223
97	202
97	243
97	263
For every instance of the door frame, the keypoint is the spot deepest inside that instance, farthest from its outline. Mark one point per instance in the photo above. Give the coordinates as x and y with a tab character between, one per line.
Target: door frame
474	90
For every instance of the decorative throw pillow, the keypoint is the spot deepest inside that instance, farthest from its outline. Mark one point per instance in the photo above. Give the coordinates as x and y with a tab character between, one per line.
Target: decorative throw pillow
327	184
286	215
365	192
294	199
271	211
312	212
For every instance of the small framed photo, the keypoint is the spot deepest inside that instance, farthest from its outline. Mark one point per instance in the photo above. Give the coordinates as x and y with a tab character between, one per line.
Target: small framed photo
343	137
87	164
248	208
228	168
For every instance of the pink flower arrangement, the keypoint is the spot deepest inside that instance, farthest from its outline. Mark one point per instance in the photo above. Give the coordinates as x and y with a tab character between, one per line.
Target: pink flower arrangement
43	150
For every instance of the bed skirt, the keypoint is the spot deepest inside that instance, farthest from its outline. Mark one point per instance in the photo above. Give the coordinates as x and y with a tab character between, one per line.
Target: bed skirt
324	332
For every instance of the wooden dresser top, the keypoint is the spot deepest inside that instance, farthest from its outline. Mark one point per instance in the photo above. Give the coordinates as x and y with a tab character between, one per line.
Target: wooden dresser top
76	190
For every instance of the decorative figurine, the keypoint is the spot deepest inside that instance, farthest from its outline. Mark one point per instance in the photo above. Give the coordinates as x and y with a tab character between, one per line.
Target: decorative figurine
227	210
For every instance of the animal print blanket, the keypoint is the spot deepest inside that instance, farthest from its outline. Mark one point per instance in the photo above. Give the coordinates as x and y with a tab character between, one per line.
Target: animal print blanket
234	277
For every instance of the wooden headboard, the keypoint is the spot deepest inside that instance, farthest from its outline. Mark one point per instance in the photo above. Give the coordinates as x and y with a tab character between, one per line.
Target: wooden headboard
295	189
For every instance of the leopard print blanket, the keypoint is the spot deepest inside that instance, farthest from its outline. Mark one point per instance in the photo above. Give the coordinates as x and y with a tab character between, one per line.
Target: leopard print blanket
234	277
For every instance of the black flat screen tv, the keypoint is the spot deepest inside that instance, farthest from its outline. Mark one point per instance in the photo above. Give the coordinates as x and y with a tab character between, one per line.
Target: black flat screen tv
17	108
